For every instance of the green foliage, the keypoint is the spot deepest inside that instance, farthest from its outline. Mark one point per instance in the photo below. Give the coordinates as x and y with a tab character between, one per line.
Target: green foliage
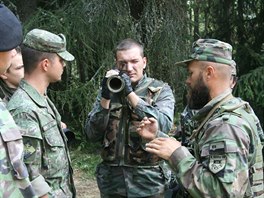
86	158
250	87
93	28
241	23
166	28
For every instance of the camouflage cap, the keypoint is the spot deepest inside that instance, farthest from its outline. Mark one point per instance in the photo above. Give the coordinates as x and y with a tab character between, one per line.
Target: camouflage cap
45	41
211	50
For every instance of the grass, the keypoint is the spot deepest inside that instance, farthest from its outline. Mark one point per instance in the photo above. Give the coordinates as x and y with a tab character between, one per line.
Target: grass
85	156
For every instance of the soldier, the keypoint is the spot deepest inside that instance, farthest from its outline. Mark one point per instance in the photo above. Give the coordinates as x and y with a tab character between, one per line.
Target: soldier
227	159
14	180
46	154
127	169
9	82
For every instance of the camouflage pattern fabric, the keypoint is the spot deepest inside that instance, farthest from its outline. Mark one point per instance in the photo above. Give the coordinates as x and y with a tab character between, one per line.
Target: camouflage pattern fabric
14	182
211	50
46	154
127	169
182	134
45	41
184	130
225	151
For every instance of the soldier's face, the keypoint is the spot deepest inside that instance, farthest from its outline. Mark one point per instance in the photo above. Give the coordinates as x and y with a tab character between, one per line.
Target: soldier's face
131	62
198	93
5	59
57	68
15	72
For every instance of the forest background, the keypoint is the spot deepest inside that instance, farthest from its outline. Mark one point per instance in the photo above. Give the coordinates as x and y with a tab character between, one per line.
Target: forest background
167	29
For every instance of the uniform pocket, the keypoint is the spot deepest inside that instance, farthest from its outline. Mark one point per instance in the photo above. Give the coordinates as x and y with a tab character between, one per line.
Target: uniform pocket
52	135
55	160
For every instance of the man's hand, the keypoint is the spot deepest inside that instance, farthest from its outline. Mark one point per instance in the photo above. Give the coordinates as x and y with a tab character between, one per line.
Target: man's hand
45	196
106	93
63	125
148	128
128	87
163	147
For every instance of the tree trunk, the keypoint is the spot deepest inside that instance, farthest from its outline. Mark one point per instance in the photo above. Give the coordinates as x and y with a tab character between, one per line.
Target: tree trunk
196	11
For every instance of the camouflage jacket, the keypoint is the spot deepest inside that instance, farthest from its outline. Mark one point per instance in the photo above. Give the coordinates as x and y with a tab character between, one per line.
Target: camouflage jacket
14	181
46	154
184	129
5	91
227	160
122	146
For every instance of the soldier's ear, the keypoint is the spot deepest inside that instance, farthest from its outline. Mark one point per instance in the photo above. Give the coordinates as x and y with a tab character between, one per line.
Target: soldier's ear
3	76
45	64
145	62
209	72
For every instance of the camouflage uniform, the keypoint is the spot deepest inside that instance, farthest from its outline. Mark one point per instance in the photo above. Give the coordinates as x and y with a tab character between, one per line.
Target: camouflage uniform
225	151
46	153
182	134
184	130
127	169
226	137
14	180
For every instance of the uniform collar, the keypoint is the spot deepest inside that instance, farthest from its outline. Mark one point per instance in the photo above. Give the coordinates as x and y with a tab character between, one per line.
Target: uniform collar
142	80
33	93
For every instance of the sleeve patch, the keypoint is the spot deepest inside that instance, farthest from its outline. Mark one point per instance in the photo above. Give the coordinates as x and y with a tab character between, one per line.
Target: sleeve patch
217	148
28	150
217	163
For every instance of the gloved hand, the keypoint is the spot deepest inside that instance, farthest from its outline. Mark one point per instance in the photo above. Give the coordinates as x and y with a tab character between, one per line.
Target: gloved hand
128	87
106	94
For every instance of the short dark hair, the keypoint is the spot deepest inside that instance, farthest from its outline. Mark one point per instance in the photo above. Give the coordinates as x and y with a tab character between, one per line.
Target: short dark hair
18	50
32	57
128	44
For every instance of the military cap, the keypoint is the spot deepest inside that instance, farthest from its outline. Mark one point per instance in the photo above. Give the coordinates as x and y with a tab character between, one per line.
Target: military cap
45	41
211	50
10	30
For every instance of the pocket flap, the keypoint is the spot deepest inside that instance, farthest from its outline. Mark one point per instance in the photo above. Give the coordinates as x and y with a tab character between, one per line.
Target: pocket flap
52	135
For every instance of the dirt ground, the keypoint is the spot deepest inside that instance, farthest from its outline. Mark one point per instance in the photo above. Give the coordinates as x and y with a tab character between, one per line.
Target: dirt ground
86	188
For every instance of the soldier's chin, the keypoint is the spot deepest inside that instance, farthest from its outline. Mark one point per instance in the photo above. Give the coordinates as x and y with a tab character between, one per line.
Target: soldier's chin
55	81
134	80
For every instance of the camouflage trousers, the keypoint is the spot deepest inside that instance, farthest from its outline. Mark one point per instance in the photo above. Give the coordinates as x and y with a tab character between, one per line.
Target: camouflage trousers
120	196
121	181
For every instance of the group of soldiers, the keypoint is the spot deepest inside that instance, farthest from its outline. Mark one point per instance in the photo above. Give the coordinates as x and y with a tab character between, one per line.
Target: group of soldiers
221	149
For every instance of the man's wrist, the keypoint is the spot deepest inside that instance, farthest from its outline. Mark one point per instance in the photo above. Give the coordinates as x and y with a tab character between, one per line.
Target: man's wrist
105	103
161	134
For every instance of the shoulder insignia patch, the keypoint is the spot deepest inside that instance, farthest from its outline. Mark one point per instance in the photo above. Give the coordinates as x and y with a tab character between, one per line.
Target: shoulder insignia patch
217	163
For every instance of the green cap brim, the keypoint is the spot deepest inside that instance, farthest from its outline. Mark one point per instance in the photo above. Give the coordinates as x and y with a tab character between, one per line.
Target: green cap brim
66	56
183	63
